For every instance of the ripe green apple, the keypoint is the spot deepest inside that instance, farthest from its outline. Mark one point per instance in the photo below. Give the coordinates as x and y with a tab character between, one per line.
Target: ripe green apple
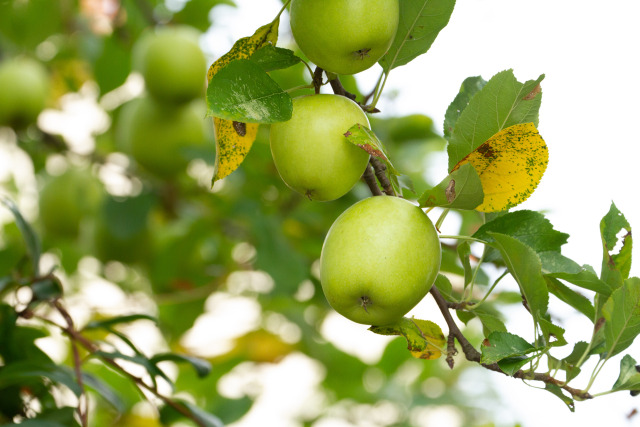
379	259
310	150
24	88
172	64
344	36
162	138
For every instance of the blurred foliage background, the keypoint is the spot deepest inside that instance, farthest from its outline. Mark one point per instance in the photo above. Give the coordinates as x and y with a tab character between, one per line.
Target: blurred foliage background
105	150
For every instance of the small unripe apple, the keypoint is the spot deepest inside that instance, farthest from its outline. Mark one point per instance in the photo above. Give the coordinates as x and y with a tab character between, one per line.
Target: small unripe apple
24	88
379	259
162	138
67	200
310	150
172	64
344	36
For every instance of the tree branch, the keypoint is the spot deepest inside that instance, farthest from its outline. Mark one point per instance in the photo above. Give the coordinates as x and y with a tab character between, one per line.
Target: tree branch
380	168
91	347
370	178
473	355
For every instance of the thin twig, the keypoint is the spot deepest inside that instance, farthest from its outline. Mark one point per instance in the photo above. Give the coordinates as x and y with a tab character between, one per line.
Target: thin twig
474	355
93	348
380	170
83	410
370	179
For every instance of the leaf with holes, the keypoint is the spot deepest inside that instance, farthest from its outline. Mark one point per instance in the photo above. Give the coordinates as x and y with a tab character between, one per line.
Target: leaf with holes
510	165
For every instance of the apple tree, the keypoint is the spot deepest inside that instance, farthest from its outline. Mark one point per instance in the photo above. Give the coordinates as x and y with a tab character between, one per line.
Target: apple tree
175	226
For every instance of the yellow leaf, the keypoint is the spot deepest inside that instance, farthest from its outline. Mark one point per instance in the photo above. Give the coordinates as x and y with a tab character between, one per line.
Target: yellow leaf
233	139
425	339
510	165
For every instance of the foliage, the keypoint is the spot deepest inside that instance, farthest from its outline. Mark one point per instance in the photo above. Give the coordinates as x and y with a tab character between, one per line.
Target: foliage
173	251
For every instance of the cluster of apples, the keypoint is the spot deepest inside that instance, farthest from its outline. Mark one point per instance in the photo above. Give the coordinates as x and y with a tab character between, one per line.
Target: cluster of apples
162	129
382	255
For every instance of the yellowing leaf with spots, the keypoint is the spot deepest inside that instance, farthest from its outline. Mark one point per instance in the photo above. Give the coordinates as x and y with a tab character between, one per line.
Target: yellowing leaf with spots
425	339
234	139
510	165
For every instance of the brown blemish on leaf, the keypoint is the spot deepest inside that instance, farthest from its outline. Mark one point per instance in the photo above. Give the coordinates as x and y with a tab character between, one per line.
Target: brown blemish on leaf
240	128
373	151
234	139
486	151
536	90
450	191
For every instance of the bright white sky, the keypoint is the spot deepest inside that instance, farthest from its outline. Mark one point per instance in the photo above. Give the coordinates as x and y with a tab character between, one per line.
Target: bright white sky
588	52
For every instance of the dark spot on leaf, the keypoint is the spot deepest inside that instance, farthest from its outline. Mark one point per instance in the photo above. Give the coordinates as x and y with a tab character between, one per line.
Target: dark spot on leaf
536	90
450	191
598	324
240	128
486	342
373	151
347	134
486	151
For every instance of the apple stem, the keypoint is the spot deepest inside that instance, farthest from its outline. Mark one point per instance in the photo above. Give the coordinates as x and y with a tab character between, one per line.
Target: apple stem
365	302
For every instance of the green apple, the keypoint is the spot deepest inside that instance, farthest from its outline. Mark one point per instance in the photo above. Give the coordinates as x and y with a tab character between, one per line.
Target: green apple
163	138
24	89
344	36
68	199
172	64
310	150
379	259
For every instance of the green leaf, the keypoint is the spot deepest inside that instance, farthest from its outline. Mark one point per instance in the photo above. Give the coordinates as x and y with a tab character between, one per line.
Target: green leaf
112	321
138	359
529	227
560	267
443	285
20	372
554	389
464	252
570	363
420	23
489	317
28	234
511	365
242	91
503	345
46	288
366	139
622	316
461	189
104	391
201	366
271	58
36	423
615	267
571	297
424	338
470	86
553	334
206	419
629	378
524	265
502	102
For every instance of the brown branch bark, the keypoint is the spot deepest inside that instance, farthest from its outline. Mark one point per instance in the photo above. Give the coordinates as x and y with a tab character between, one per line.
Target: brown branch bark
379	169
474	355
91	347
370	178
